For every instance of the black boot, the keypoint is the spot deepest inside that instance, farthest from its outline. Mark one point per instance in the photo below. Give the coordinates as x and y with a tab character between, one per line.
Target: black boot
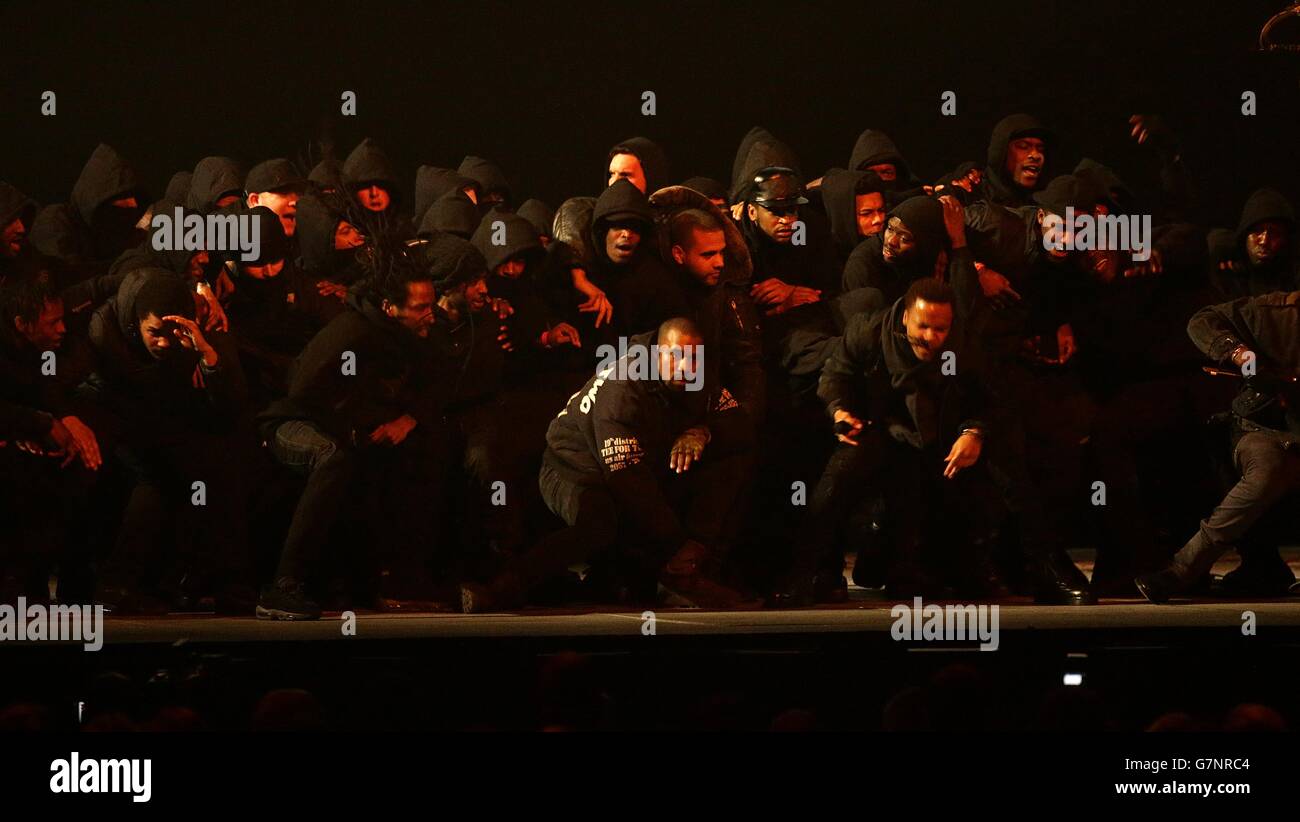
1058	581
1160	586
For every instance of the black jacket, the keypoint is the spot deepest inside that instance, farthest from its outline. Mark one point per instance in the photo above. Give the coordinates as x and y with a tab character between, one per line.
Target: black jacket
396	374
641	289
433	183
618	432
873	373
159	397
1269	326
868	268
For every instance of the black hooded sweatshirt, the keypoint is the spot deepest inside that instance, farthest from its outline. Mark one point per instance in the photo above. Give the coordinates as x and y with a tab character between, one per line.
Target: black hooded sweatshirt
539	214
994	185
654	162
1279	274
867	267
875	147
838	193
873	373
433	183
368	163
159	398
451	213
489	179
618	432
396	374
641	289
214	177
530	318
812	264
29	399
88	232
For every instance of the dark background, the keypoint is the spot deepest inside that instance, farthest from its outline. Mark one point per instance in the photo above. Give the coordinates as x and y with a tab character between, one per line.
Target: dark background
545	89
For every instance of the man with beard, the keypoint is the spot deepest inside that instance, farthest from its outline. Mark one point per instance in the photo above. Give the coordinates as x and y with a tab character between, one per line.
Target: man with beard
276	184
710	260
906	251
898	412
100	220
1019	150
362	419
1260	337
48	456
170	395
641	162
1260	257
636	463
854	202
874	151
331	249
787	274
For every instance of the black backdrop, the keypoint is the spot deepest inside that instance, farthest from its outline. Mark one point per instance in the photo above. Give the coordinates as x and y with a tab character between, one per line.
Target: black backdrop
545	89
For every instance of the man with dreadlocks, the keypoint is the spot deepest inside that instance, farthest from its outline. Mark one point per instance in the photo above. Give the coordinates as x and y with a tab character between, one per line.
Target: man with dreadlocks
363	398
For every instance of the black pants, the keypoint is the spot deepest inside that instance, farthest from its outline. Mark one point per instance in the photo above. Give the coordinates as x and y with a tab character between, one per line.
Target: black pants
703	497
193	478
398	489
915	491
1270	470
47	513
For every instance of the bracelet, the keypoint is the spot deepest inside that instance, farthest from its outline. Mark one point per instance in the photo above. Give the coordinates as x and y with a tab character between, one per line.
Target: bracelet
977	432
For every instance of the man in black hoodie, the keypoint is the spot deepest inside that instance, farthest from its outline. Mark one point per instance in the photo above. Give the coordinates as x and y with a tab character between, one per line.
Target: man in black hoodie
626	264
99	221
372	181
493	190
641	162
1258	337
1260	257
218	183
639	459
1020	151
332	250
794	262
363	393
170	395
901	412
711	263
48	456
907	250
855	205
874	151
433	183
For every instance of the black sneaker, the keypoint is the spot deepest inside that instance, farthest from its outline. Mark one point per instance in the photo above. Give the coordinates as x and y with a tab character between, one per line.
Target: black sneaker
287	600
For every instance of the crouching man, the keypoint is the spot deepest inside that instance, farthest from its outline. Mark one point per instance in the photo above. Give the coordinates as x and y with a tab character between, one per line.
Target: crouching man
643	461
